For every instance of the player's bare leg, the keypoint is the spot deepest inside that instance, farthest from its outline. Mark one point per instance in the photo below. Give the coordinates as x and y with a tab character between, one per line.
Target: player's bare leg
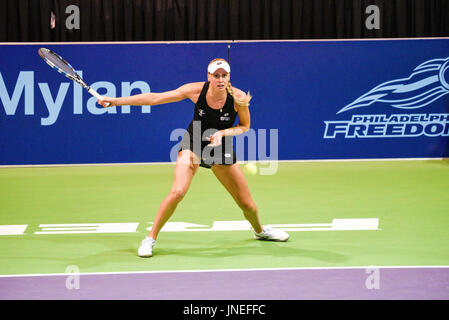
185	169
233	179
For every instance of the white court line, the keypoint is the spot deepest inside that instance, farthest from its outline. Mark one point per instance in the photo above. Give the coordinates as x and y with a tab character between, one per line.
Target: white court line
240	162
221	270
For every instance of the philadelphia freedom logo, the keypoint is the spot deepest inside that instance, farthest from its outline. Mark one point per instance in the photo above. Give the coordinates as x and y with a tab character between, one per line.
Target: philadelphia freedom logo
427	83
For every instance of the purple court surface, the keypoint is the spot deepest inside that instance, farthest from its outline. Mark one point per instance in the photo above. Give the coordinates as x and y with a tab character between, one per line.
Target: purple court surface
386	283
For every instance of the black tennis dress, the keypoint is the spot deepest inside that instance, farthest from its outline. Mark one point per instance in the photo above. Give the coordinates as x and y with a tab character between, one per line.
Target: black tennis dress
206	121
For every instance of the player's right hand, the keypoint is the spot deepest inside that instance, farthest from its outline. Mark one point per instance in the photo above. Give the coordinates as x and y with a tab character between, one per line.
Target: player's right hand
108	102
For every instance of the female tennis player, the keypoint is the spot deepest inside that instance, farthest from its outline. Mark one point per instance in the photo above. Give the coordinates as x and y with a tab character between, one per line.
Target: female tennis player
217	105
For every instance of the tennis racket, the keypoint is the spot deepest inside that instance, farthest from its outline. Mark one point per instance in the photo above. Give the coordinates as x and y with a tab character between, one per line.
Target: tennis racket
62	66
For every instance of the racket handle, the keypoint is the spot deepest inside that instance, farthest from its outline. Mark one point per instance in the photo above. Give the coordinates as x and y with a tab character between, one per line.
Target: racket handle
97	95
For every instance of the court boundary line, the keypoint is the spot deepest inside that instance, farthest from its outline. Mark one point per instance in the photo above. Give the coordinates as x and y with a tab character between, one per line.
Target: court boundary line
239	162
221	270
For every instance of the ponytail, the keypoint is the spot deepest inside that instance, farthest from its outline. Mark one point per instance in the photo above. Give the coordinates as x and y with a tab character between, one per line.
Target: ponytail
240	102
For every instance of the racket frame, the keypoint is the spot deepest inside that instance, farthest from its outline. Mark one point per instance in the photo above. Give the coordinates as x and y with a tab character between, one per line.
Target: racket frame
75	77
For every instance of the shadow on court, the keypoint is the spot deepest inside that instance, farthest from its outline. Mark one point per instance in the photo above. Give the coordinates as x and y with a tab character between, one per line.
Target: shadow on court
53	254
247	248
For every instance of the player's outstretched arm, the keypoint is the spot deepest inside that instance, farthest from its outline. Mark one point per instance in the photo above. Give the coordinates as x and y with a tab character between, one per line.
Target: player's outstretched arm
152	98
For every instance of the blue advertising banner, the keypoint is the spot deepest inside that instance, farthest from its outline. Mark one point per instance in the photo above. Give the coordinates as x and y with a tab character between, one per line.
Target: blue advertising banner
311	100
350	99
46	118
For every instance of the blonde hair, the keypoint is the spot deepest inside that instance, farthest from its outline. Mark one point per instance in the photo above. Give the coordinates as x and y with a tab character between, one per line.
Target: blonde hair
240	102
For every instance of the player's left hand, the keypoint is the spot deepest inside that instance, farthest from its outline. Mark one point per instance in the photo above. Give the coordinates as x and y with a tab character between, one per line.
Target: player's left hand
215	139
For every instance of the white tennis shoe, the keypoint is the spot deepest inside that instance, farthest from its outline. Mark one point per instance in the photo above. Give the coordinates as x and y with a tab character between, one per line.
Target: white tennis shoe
271	234
146	248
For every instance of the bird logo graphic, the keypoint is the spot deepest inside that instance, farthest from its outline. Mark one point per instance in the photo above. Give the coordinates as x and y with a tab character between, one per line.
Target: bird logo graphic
427	83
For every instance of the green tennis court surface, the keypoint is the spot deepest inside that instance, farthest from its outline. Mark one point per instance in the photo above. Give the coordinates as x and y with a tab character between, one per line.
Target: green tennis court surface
410	199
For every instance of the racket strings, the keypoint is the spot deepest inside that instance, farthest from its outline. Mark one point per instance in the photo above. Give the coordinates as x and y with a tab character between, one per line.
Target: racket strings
52	58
